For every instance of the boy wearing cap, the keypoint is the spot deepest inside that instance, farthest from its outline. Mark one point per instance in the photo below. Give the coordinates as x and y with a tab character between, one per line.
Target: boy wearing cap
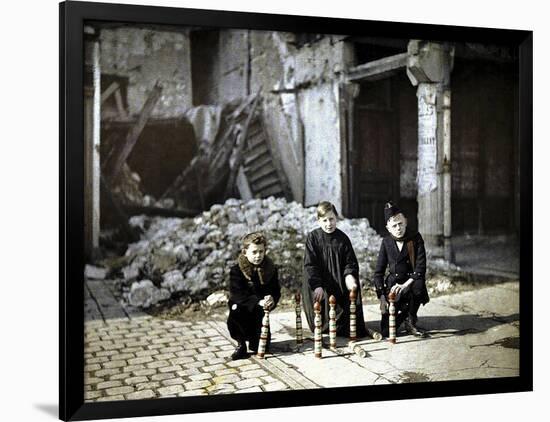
402	252
253	287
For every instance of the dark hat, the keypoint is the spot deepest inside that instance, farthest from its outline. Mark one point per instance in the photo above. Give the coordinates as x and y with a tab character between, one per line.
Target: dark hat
390	210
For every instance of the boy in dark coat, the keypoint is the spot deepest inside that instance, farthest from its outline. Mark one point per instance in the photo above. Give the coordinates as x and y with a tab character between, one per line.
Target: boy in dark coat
253	286
403	253
331	268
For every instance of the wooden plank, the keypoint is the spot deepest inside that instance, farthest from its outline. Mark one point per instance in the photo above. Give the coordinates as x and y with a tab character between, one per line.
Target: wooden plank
250	159
240	148
242	185
265	183
378	68
258	164
109	91
263	173
135	131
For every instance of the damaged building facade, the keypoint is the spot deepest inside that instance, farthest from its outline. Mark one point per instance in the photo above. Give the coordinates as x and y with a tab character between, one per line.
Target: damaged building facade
354	120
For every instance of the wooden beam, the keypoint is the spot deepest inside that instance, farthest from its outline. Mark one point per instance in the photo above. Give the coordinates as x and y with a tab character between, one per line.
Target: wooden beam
377	69
109	91
135	131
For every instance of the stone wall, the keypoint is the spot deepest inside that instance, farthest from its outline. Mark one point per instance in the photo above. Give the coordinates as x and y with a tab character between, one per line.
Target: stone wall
145	56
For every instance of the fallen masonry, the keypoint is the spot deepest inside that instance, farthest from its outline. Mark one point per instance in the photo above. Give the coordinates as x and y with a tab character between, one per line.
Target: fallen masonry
191	257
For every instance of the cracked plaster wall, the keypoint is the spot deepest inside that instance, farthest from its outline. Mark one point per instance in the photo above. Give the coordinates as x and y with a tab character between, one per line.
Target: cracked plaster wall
144	56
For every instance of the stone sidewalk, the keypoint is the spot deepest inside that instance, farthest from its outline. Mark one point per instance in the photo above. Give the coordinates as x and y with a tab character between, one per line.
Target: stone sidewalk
472	335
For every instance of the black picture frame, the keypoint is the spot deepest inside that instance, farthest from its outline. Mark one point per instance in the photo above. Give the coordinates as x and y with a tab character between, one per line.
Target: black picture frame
72	16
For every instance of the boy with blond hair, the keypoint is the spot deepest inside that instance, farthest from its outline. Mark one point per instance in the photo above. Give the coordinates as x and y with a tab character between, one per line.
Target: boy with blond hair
331	268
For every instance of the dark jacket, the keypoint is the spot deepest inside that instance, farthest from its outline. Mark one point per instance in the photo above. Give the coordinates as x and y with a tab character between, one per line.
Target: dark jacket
399	266
249	284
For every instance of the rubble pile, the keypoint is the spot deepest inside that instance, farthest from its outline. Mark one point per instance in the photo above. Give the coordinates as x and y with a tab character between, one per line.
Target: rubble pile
192	256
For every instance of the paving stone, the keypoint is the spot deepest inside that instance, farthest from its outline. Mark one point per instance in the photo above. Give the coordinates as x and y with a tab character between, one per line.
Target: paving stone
173	348
111	398
162	377
99	359
187	352
141	343
181	360
173	368
125	356
158	364
217	387
90	395
199	364
132	368
226	379
139	395
174	381
172	389
239	363
144	372
225	353
135	380
269	379
143	353
255	373
220	342
275	386
211	368
192	393
208	349
92	380
164	356
92	367
140	360
250	367
163	340
115	377
108	384
193	385
226	371
228	347
188	372
200	377
114	364
216	360
250	390
248	383
107	372
119	390
151	385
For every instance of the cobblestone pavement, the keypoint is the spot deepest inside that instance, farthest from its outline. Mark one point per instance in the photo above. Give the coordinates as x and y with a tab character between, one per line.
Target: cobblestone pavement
473	334
144	357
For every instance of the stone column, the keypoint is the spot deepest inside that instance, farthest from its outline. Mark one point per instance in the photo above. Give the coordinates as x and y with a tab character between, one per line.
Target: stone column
429	68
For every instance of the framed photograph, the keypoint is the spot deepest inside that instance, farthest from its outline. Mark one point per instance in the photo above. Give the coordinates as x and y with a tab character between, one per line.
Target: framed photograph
265	211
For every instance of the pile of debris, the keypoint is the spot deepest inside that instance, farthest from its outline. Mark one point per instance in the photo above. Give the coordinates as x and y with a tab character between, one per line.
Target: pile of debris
191	257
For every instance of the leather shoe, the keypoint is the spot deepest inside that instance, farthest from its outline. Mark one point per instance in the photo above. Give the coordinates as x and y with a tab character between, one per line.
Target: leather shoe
240	352
410	328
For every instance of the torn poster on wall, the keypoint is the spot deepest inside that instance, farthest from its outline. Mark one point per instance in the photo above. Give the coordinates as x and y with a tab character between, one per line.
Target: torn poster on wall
427	145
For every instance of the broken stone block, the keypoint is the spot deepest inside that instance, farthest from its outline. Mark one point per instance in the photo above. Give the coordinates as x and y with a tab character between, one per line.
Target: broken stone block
95	273
131	272
217	298
144	294
173	281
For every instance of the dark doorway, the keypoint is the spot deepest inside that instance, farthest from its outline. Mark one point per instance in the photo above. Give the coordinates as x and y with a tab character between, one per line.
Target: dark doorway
204	62
384	161
483	147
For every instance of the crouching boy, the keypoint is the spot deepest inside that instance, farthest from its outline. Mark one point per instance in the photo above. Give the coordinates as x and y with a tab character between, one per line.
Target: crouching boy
253	285
403	253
